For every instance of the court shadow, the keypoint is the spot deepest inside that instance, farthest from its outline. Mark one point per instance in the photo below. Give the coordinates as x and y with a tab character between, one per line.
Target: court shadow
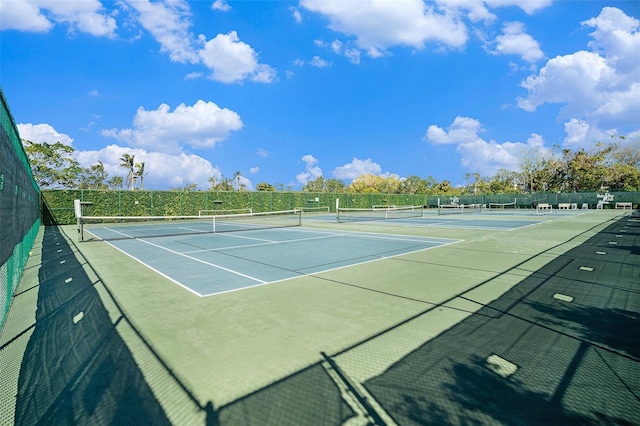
613	328
76	368
307	397
479	392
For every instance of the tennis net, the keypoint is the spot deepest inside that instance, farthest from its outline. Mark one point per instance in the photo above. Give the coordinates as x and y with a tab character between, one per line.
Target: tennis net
223	212
459	208
314	210
136	227
502	206
355	214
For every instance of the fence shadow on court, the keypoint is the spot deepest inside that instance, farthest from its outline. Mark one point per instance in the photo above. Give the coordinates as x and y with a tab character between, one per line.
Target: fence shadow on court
613	328
576	364
307	397
76	369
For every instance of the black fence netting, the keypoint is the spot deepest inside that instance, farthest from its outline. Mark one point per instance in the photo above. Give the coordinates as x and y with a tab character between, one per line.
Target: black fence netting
19	208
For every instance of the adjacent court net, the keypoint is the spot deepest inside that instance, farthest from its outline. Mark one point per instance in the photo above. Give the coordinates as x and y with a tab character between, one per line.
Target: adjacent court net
459	208
224	212
354	214
130	227
313	210
502	206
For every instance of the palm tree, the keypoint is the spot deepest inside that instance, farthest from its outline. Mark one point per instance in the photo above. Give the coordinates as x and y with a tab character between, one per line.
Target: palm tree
139	173
236	176
127	163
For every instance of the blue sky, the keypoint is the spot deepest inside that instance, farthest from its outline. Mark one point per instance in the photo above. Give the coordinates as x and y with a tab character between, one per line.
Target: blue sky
284	92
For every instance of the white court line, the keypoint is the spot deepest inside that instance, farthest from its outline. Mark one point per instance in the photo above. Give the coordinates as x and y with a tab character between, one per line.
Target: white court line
201	261
398	237
315	274
439	241
155	270
266	243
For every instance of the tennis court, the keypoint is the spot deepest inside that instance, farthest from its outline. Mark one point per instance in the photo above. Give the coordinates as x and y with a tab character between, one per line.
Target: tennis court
208	264
488	318
498	220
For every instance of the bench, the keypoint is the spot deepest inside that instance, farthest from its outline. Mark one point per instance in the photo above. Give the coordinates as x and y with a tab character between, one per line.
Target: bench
624	205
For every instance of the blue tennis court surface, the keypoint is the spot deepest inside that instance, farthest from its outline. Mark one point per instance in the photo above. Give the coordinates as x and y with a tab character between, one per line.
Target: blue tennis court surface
208	264
492	221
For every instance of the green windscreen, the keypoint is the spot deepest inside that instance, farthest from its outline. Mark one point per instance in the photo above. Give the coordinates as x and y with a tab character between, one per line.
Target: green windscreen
19	208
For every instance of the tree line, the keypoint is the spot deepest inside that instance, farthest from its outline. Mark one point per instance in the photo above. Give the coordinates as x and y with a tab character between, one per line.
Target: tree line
614	166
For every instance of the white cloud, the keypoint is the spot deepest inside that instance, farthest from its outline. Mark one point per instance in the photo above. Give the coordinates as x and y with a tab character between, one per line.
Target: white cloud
40	133
311	170
318	62
529	6
162	170
169	23
344	49
477	154
603	85
41	16
202	125
254	170
378	25
23	16
476	10
514	41
232	60
297	16
356	168
581	134
193	76
262	153
463	129
221	5
616	35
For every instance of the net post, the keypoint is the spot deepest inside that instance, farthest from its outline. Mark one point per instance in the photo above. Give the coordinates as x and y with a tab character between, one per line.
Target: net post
77	209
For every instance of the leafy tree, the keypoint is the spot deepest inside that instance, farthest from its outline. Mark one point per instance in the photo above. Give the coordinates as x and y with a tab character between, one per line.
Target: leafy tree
334	185
444	187
115	182
626	154
188	187
365	184
503	182
263	186
53	165
93	177
127	162
225	184
412	185
476	184
316	185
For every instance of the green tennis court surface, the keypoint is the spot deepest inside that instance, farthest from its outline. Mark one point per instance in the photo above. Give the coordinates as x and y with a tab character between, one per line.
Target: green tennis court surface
214	263
481	319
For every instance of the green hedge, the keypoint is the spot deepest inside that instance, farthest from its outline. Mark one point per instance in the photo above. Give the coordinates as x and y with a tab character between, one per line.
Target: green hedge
188	203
